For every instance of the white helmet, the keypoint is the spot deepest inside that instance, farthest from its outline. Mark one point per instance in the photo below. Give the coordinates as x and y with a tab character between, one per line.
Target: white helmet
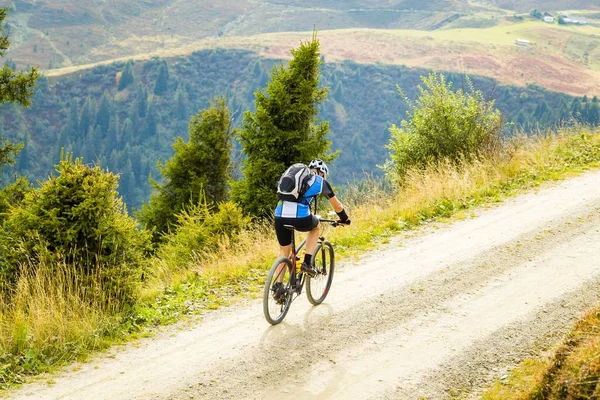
319	165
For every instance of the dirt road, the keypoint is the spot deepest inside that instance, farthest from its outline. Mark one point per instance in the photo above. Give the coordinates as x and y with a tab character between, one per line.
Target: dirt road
439	312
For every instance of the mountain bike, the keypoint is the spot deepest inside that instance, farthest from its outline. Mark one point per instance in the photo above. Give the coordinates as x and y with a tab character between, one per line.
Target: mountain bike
286	280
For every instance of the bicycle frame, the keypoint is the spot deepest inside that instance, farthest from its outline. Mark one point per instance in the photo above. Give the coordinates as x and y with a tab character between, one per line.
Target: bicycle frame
275	305
294	255
296	250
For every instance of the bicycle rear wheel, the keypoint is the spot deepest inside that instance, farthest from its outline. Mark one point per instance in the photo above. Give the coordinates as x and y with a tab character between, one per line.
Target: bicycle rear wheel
318	286
276	302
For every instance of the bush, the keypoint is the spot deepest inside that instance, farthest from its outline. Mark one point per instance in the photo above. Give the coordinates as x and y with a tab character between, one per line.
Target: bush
75	220
443	124
199	231
12	195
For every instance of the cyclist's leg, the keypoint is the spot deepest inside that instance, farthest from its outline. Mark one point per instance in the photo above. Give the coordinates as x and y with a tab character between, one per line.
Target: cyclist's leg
312	239
285	251
310	225
284	237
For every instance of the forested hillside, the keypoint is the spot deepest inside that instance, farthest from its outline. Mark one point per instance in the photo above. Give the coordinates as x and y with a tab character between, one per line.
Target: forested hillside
125	116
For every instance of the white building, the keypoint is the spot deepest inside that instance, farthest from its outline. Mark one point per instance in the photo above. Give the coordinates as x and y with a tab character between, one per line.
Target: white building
548	18
522	42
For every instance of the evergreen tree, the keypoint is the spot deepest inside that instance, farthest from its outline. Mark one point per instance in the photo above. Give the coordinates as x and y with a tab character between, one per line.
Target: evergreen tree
113	132
592	114
126	76
104	112
141	97
127	132
150	124
283	130
576	109
162	81
72	125
181	103
198	171
14	88
87	119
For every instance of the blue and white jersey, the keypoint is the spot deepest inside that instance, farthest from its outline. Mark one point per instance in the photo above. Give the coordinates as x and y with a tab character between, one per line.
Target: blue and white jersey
301	209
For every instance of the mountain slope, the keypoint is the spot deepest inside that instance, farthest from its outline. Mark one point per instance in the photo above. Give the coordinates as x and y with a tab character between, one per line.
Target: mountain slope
475	37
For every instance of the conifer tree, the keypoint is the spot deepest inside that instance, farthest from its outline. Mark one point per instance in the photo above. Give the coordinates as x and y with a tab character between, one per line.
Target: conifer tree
103	117
126	76
181	101
87	119
141	98
162	81
15	87
198	170
283	130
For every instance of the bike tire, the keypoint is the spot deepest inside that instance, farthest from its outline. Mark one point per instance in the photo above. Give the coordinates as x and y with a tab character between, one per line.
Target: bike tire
276	311
323	261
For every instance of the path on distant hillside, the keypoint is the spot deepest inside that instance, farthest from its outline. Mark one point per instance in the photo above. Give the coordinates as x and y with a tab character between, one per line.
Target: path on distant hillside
23	23
446	309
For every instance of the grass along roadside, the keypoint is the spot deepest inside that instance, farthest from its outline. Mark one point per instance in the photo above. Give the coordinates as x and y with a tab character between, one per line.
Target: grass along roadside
571	372
49	327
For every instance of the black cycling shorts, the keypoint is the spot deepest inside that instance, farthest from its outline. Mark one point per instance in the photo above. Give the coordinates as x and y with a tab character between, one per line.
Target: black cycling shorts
284	235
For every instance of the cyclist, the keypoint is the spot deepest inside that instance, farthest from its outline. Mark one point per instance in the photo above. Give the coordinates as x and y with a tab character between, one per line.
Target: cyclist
299	215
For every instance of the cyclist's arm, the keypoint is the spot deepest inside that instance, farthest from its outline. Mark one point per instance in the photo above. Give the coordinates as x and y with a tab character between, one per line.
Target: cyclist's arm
336	204
328	192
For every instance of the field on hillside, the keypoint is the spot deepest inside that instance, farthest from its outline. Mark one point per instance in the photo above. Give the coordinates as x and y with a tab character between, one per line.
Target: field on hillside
54	34
560	58
475	37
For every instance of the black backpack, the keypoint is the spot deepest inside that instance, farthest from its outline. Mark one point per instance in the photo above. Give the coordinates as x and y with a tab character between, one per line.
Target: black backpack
293	183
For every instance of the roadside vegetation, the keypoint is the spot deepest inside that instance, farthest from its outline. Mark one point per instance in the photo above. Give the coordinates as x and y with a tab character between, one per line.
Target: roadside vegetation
571	372
79	274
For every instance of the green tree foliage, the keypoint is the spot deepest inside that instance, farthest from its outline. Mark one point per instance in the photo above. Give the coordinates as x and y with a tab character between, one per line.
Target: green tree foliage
535	13
12	195
199	230
199	168
363	110
141	97
75	220
162	80
104	112
283	130
126	76
443	124
14	88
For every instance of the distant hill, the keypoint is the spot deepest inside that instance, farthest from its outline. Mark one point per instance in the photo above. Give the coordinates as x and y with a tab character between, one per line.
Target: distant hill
476	37
558	5
53	33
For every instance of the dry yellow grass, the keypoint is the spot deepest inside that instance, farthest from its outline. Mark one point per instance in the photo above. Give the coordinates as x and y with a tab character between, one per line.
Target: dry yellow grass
52	315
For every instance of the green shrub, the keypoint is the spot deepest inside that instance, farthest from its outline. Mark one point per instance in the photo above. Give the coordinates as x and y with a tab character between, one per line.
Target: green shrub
75	220
200	230
442	124
12	195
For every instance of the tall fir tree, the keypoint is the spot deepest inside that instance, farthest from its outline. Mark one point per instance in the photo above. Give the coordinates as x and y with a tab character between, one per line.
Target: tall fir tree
15	87
141	98
162	80
104	113
126	78
198	170
283	130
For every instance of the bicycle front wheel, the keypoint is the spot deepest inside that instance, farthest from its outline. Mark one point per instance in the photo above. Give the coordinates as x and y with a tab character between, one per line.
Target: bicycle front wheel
277	295
318	286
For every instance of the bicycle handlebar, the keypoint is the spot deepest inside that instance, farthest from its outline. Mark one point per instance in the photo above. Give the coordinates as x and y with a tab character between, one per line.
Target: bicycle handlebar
332	222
